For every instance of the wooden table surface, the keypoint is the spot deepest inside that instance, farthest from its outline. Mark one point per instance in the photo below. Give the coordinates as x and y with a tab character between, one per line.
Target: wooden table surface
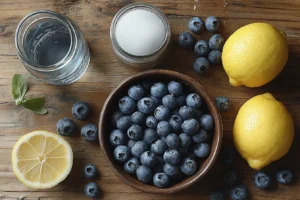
104	73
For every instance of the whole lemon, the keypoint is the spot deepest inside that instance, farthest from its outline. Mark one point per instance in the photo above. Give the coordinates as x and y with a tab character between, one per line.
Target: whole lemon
263	130
254	54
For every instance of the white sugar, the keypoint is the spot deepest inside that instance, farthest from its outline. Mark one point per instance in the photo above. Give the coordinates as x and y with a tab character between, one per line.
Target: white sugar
140	32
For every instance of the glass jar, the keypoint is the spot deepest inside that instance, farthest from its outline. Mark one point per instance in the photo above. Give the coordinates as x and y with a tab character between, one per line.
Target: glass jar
140	61
52	47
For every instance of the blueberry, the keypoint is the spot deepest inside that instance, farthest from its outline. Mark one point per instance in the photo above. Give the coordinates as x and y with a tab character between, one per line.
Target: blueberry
117	138
124	123
151	122
188	166
217	195
172	171
138	118
239	192
206	122
228	155
202	150
150	135
163	129
186	40
159	147
186	112
161	180
159	165
172	140
170	101
175	121
183	151
284	177
131	165
193	100
135	132
121	153
130	144
139	148
146	84
262	180
162	112
89	132
91	190
157	101
136	92
184	140
81	110
216	42
146	105
190	126
172	157
201	136
144	174
201	48
201	65
181	101
90	171
212	24
148	159
127	105
230	177
196	24
215	57
223	103
159	90
66	127
175	88
116	115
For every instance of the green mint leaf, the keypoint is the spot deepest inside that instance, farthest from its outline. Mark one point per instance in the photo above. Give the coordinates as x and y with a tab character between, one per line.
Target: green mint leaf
19	88
35	104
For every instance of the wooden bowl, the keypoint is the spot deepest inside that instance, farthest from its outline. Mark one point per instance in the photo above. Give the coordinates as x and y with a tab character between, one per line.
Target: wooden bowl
111	105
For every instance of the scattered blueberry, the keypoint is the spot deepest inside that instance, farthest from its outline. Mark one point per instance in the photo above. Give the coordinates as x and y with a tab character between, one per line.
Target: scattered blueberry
216	42
202	150
131	165
148	159
130	144
175	88
91	190
66	127
188	166
201	65
81	110
239	192
190	126
117	138
206	122
212	24
121	153
231	177
201	136
160	164
89	132
161	180
215	57
150	136
186	112
175	121
151	122
228	155
123	123
172	157
181	101
172	140
159	90
186	40
136	92
217	195
162	112
163	129
159	147
90	171
284	177
184	140
116	115
127	105
223	103
138	118
135	132
144	174
262	180
172	171
139	148
170	101
201	48
196	24
146	105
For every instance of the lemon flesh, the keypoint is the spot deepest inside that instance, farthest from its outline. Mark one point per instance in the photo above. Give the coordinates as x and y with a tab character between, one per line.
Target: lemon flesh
263	131
41	159
254	55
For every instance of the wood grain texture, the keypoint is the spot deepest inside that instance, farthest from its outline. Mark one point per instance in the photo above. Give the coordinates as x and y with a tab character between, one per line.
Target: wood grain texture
104	73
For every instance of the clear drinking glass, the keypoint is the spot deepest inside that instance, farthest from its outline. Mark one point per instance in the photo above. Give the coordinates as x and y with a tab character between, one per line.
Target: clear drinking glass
52	47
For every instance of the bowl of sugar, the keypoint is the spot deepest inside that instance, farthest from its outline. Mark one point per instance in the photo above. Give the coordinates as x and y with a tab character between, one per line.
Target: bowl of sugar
140	35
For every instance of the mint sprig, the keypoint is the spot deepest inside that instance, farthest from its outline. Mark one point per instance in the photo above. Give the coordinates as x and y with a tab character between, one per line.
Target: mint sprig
19	89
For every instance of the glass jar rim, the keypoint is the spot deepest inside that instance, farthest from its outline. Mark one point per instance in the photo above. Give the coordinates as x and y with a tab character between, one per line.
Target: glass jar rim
60	64
129	7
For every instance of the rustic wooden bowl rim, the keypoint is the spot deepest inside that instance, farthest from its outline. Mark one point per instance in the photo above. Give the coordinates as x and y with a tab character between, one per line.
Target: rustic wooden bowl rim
217	137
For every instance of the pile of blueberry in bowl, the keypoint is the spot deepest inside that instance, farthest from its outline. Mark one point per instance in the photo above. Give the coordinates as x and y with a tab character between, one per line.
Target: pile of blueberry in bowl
160	131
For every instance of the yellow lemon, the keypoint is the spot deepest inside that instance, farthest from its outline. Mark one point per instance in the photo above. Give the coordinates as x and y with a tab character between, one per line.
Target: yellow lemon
42	159
263	130
254	55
